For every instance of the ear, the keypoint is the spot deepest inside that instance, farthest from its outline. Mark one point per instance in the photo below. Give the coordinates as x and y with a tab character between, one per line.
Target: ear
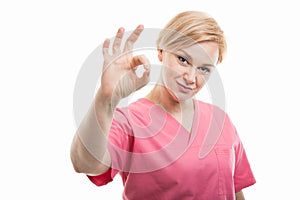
159	51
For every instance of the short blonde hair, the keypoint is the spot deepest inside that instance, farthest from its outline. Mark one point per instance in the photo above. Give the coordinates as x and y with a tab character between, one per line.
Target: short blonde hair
190	27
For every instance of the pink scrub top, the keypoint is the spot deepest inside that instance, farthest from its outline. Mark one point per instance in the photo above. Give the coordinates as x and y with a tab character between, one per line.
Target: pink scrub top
158	159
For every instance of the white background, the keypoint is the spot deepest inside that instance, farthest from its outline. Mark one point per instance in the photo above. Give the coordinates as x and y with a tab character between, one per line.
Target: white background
44	43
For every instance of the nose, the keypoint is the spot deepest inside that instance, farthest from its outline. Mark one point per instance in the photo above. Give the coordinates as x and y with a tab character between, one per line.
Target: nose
190	76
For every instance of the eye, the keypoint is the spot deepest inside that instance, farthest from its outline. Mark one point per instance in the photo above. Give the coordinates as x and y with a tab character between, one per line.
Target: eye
204	70
182	59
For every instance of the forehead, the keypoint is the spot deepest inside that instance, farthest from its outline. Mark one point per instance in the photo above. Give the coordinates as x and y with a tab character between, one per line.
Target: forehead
207	52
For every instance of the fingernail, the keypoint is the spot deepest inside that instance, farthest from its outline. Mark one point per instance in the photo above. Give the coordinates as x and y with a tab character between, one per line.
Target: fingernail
141	26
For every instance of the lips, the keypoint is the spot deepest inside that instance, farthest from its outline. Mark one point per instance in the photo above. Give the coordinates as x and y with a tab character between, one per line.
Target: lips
184	88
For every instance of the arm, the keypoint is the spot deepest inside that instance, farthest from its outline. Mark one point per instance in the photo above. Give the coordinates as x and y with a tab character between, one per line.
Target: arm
239	195
89	152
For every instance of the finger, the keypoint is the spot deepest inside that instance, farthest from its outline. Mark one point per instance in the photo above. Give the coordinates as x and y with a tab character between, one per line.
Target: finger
105	47
133	37
146	73
118	40
139	60
144	79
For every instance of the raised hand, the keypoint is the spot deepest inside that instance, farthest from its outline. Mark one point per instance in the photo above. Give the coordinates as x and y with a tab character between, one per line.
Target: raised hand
118	75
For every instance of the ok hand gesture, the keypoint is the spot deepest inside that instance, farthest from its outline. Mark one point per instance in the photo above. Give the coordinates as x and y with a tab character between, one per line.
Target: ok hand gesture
119	78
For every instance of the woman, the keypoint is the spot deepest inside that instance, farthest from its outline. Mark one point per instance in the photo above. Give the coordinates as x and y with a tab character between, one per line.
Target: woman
155	143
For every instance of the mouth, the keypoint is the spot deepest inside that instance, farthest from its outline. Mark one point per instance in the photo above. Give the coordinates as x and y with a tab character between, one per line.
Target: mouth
184	87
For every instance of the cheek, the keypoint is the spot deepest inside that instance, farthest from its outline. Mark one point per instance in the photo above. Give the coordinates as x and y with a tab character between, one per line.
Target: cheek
200	82
172	65
172	70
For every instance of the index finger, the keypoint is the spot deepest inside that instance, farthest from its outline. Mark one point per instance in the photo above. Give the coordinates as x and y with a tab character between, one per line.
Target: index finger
139	60
133	37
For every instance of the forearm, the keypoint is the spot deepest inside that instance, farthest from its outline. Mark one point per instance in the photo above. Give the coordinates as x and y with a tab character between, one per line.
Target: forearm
239	195
89	152
84	162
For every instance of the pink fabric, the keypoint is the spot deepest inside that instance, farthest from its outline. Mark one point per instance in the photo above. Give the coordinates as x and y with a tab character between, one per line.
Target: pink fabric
159	159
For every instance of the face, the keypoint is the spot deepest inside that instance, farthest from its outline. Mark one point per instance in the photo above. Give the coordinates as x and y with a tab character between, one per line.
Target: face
186	70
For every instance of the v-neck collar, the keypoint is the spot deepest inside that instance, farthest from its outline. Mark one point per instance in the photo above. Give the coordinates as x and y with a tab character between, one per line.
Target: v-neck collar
170	117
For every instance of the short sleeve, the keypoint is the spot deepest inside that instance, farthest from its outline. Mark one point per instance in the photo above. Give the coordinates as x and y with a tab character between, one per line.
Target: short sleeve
243	175
103	179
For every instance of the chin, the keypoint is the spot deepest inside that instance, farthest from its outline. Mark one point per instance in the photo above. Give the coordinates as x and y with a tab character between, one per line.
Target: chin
181	97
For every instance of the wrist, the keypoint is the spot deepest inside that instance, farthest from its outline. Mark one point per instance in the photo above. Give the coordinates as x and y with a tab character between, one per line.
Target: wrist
105	100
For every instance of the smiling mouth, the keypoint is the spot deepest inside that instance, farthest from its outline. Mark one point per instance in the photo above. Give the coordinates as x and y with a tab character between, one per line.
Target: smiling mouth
184	87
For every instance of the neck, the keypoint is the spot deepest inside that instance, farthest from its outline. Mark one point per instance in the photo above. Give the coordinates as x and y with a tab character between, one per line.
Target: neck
160	95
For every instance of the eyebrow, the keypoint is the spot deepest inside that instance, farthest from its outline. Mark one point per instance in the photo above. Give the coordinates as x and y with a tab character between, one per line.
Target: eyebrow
191	59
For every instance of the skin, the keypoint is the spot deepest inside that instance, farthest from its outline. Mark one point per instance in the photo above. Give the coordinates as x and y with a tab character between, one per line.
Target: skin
108	96
239	195
182	77
179	82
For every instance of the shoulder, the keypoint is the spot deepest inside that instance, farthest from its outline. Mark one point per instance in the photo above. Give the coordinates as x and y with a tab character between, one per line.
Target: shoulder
218	118
138	112
140	106
208	109
135	105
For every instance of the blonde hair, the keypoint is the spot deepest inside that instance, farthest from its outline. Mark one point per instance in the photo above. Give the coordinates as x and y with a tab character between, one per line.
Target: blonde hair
188	28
